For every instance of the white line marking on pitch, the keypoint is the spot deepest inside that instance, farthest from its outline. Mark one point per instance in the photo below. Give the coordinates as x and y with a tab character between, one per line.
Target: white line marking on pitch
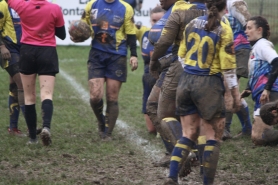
151	150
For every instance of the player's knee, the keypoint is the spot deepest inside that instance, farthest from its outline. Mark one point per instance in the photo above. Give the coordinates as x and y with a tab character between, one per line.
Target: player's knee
172	129
151	107
95	100
13	90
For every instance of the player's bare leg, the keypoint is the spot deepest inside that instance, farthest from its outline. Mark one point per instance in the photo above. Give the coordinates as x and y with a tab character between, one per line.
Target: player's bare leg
152	106
96	87
112	111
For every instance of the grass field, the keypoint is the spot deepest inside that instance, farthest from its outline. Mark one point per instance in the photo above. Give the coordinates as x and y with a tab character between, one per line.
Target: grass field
268	9
77	156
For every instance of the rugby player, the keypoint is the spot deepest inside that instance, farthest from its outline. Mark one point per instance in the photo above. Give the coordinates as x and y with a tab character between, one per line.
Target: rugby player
10	34
208	54
237	14
113	32
148	80
263	83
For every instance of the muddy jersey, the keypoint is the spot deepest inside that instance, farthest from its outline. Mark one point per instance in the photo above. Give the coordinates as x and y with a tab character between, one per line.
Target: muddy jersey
157	28
145	45
10	27
172	33
262	55
111	22
238	15
208	53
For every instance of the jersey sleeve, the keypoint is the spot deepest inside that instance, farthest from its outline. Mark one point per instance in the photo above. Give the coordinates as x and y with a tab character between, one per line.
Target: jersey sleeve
17	5
4	10
226	48
128	22
59	17
87	12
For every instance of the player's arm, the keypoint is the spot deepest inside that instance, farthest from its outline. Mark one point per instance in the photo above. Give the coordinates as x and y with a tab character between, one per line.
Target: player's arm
130	32
17	5
240	12
167	38
5	53
60	30
228	63
269	54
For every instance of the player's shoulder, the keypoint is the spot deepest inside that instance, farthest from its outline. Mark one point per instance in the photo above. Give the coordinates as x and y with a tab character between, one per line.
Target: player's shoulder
90	3
3	4
263	43
126	5
181	5
225	23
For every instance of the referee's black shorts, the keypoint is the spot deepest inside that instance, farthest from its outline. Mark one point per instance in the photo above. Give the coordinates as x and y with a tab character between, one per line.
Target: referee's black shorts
41	60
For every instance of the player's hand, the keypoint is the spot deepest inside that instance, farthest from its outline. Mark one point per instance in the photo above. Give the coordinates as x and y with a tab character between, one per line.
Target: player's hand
245	93
133	63
155	68
75	40
264	97
6	55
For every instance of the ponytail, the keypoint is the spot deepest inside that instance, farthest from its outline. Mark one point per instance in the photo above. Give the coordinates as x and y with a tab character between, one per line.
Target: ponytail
214	7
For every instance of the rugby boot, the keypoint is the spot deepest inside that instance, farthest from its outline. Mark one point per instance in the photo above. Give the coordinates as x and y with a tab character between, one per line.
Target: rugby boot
170	181
164	161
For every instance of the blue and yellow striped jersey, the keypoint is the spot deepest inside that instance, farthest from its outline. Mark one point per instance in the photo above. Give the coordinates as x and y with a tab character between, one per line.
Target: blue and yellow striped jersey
208	53
145	45
111	22
10	27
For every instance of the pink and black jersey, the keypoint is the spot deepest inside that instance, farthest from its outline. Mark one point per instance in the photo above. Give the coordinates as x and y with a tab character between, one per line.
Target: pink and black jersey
38	20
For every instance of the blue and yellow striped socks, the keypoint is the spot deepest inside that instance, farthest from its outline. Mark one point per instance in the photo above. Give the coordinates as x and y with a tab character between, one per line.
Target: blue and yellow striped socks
182	149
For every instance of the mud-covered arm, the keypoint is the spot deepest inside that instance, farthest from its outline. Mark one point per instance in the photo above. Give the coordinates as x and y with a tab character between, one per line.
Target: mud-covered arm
273	74
172	29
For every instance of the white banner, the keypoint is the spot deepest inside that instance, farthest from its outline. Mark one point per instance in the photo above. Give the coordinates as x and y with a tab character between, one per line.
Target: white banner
73	10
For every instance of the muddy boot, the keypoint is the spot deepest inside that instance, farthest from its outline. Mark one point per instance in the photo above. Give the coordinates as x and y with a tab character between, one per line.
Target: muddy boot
243	134
164	161
185	165
226	135
170	181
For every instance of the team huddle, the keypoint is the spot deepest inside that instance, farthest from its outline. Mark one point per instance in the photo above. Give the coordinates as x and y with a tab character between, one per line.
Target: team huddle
194	56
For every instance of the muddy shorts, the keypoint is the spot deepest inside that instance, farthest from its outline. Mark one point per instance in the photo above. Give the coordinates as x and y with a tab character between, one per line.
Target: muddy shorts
14	68
171	80
203	95
161	77
242	58
273	96
42	60
106	65
14	50
148	83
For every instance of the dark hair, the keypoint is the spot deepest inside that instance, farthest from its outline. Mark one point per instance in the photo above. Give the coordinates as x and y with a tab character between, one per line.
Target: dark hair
262	22
265	112
157	9
214	7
